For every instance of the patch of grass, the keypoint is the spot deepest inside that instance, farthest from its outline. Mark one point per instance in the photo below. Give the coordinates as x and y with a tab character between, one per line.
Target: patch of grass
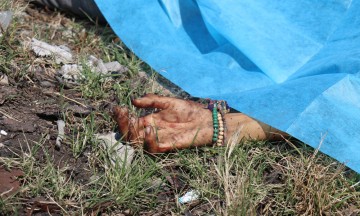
261	178
94	85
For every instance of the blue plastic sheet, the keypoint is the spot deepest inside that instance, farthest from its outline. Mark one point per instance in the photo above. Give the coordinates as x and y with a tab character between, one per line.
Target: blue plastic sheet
291	64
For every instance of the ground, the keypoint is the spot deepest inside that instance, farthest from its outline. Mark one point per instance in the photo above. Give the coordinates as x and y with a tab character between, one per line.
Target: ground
84	177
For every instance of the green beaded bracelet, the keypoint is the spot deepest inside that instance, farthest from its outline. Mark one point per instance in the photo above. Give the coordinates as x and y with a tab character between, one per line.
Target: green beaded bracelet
215	123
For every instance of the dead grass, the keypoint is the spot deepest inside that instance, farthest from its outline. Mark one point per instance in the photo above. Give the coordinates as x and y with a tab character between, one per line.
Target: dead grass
85	178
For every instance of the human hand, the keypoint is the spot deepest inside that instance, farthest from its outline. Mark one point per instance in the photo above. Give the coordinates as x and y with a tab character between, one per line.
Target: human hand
179	124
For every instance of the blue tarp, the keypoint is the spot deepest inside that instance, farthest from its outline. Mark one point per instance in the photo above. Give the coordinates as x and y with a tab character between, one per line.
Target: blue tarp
291	64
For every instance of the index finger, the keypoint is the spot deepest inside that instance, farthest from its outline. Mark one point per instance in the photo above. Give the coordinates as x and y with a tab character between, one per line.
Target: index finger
153	101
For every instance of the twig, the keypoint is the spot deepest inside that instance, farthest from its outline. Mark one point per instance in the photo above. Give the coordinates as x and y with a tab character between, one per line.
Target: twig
7	115
58	94
6	192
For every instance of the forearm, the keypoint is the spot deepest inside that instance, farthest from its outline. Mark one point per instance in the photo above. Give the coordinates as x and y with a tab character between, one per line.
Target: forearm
241	126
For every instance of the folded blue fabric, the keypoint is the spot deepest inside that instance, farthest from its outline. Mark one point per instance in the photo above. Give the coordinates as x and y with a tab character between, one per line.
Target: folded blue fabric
291	64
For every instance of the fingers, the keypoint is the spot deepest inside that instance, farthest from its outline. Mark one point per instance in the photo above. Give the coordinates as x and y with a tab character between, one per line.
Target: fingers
121	116
136	134
150	142
152	101
128	126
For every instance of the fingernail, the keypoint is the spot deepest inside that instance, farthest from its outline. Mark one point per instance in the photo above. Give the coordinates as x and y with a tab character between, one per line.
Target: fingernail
147	129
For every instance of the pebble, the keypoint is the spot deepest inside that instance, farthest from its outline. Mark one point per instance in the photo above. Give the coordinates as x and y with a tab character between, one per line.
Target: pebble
46	84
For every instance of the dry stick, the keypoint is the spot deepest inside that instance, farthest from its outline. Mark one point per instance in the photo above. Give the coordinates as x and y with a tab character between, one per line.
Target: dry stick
58	94
6	192
7	115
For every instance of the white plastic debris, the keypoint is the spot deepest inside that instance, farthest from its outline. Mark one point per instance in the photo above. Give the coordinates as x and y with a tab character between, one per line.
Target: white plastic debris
5	19
61	53
70	72
2	132
189	196
96	65
61	133
115	67
118	151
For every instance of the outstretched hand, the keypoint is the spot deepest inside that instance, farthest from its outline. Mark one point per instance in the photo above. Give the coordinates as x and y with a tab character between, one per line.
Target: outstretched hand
179	124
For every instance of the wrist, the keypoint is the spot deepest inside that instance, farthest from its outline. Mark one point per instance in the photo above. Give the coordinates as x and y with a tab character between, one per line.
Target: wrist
241	126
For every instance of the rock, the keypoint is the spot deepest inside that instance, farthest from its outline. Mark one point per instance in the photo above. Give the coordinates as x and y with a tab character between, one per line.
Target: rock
61	53
5	19
46	84
79	111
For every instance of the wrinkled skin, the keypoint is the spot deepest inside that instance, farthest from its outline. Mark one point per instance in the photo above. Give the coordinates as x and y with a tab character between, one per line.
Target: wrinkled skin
179	124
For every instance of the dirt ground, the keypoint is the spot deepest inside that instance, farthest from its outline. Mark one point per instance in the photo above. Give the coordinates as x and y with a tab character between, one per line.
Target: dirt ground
29	115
